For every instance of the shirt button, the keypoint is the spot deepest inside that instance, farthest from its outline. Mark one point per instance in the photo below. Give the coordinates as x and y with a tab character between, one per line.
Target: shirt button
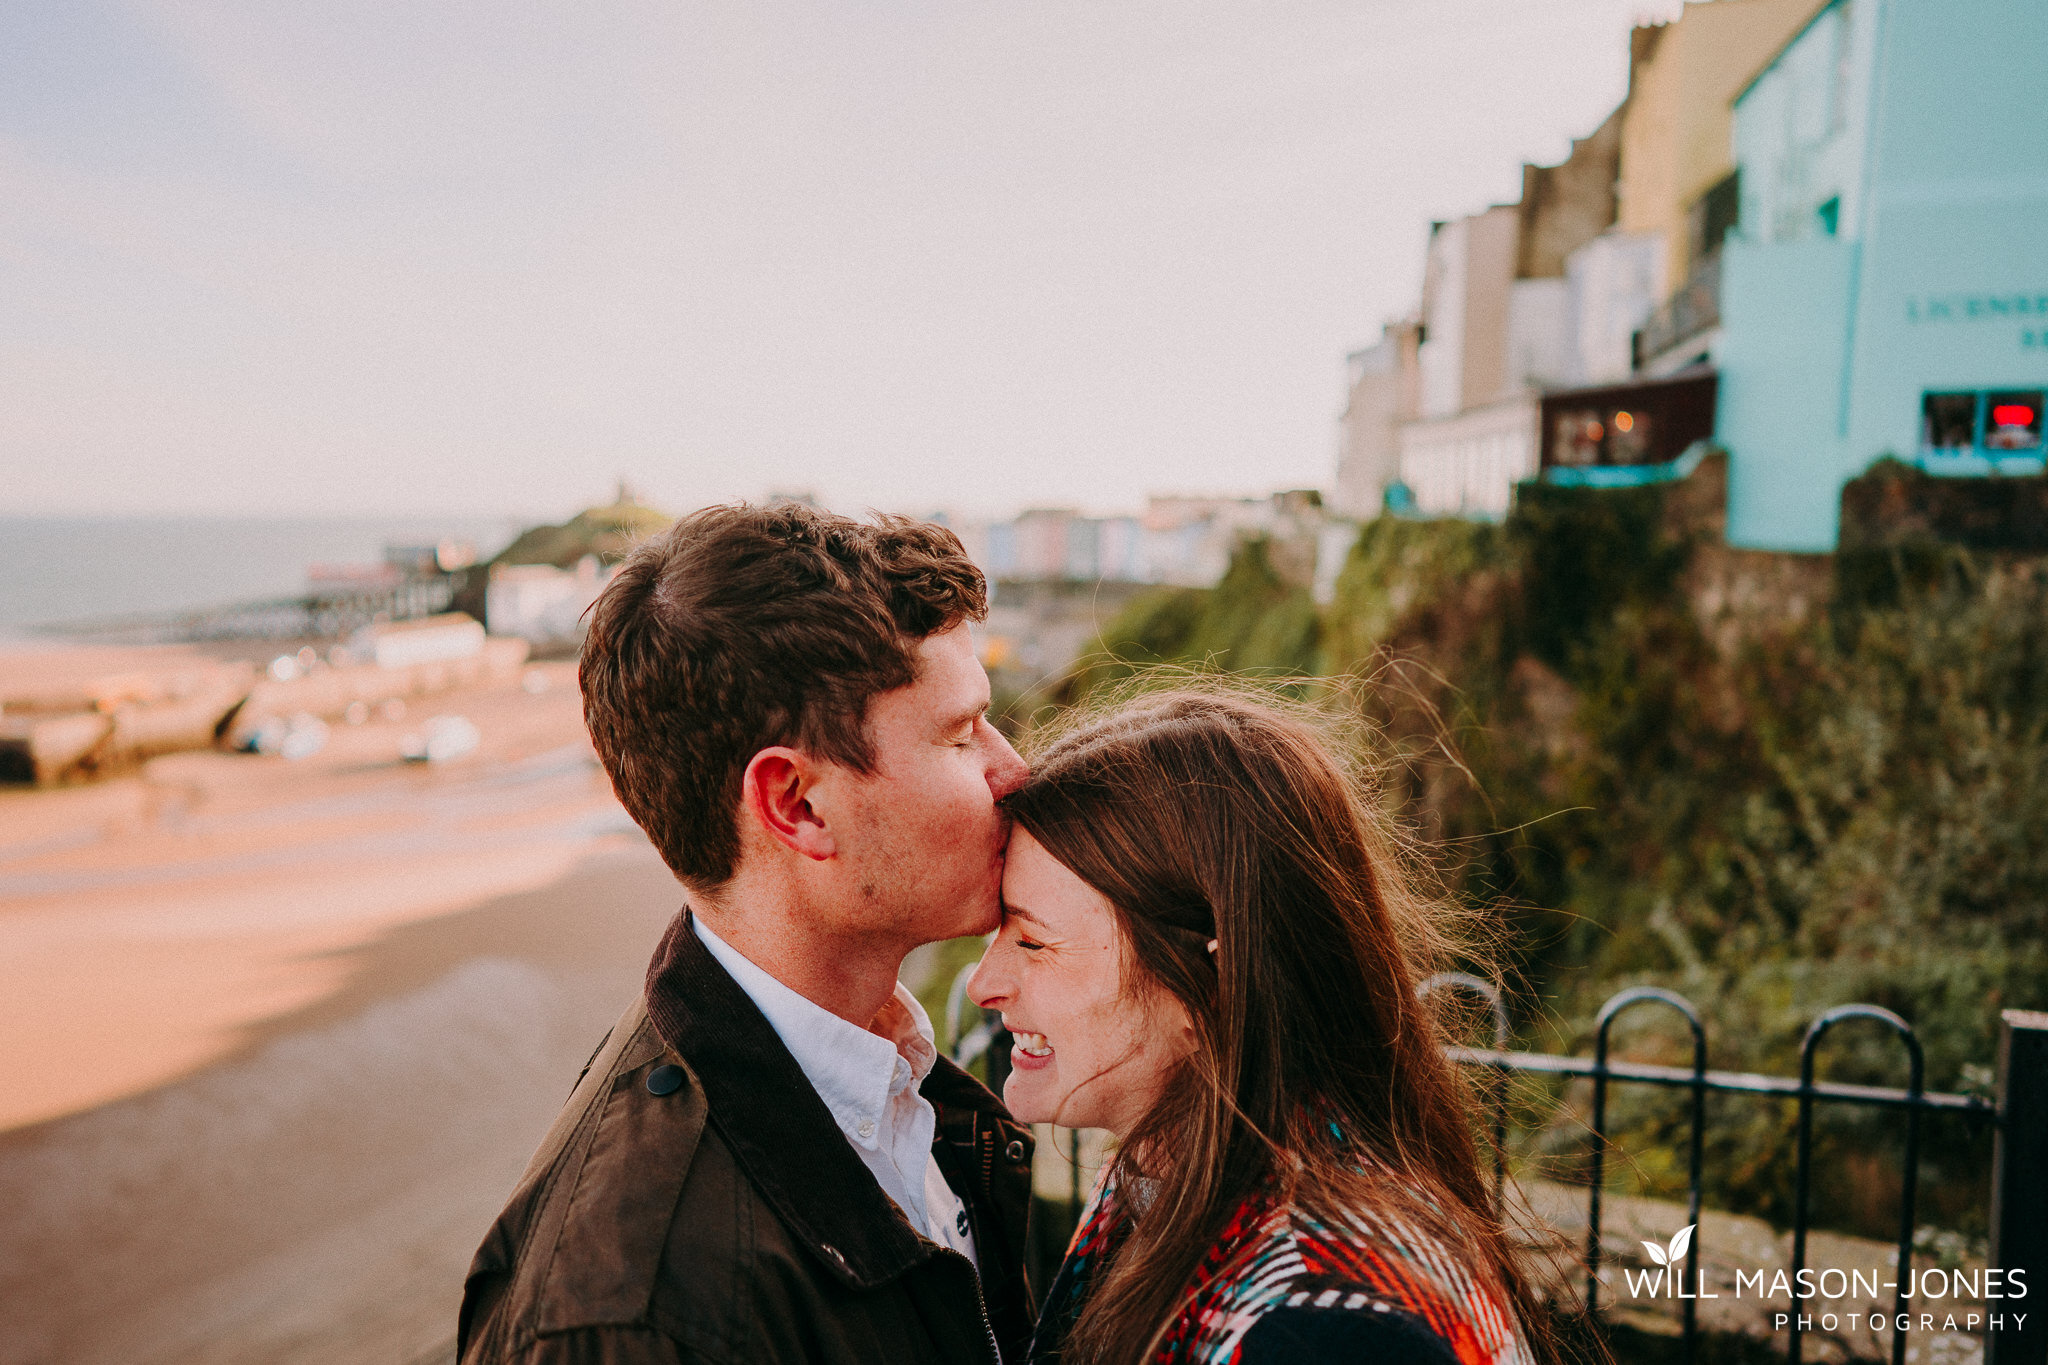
867	1128
664	1080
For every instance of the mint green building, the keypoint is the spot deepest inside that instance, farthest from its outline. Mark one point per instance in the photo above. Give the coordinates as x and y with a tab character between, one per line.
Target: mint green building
1886	290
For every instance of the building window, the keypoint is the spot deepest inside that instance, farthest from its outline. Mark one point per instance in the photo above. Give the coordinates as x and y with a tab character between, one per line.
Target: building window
2000	422
1587	436
1948	421
2012	421
1628	440
1576	436
1714	215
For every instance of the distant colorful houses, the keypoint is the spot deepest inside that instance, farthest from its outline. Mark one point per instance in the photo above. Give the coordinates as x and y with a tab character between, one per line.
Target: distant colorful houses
1177	539
1815	232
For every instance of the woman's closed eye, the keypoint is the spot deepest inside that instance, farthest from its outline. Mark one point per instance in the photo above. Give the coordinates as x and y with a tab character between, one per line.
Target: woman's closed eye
1014	923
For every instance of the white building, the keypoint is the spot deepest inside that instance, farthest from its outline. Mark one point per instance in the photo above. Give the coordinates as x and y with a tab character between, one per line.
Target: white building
1617	280
541	603
431	639
1475	434
1516	299
1379	395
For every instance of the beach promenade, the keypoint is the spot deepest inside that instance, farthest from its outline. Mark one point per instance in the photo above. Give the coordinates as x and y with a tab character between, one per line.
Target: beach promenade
277	1037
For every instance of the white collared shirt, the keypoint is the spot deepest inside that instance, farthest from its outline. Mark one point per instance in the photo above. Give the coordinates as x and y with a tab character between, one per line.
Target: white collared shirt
869	1084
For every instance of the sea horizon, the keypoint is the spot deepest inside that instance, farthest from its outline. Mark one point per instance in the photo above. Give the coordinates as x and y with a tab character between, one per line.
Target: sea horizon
58	571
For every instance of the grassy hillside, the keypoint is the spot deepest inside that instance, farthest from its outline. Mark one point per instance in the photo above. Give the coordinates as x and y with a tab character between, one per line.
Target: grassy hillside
607	532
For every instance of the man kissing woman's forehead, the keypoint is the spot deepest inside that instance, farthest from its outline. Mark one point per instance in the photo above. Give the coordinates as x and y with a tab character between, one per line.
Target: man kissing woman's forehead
1199	931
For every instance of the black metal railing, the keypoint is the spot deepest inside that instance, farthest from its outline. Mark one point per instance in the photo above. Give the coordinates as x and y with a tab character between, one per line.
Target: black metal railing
2020	1148
1645	995
1497	1084
2018	1115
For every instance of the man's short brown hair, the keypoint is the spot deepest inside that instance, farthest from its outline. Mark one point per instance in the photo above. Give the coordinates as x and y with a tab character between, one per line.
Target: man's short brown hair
742	627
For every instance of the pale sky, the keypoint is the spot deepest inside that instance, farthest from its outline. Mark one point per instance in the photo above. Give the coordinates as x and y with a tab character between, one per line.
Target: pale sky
423	257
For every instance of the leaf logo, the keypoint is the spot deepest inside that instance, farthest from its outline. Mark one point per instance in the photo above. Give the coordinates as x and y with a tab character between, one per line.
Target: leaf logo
1676	1252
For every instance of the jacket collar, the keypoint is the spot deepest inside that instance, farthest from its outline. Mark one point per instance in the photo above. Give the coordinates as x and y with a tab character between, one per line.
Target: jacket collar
771	1118
856	1072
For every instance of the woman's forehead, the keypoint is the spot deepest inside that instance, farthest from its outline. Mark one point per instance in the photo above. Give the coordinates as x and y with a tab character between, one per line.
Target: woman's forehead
1041	890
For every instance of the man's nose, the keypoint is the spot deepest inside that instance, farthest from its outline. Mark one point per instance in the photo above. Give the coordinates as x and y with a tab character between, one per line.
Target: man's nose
1007	770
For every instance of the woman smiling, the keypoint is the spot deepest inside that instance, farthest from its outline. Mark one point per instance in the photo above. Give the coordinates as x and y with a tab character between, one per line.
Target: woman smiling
1208	949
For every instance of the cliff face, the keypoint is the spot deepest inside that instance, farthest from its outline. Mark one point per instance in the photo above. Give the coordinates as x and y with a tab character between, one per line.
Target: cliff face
1773	783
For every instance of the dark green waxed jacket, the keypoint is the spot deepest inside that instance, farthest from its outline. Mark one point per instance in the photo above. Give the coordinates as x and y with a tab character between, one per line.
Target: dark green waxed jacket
728	1222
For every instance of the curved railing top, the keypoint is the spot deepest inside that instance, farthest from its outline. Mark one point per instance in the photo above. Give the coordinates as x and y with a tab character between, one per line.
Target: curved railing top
1477	985
1818	1029
1629	998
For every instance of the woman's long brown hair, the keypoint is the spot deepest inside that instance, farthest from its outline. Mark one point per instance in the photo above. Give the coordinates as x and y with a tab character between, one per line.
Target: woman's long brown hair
1207	813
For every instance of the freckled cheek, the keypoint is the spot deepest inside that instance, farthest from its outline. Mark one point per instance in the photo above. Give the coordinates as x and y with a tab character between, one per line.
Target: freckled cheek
1104	1037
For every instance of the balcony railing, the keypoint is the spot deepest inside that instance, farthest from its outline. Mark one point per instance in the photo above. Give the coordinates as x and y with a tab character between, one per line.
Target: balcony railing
1694	309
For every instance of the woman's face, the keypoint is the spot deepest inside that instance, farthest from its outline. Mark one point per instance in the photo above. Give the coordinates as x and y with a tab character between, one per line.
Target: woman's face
1088	1053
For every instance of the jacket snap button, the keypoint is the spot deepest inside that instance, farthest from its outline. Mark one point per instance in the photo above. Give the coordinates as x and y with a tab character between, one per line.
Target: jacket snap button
664	1080
1015	1151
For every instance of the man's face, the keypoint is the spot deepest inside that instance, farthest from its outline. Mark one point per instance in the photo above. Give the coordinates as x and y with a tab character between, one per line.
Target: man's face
925	850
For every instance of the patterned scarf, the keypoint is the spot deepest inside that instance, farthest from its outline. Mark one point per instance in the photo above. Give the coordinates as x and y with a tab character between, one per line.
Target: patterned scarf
1275	1256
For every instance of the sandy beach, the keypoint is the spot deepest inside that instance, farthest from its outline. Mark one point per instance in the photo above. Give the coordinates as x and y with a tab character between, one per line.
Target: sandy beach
276	1037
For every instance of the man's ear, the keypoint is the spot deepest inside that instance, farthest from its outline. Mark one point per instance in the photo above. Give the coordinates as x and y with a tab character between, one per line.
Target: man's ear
775	793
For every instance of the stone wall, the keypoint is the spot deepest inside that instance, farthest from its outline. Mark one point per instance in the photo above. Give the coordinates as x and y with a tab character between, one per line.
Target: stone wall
1894	503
